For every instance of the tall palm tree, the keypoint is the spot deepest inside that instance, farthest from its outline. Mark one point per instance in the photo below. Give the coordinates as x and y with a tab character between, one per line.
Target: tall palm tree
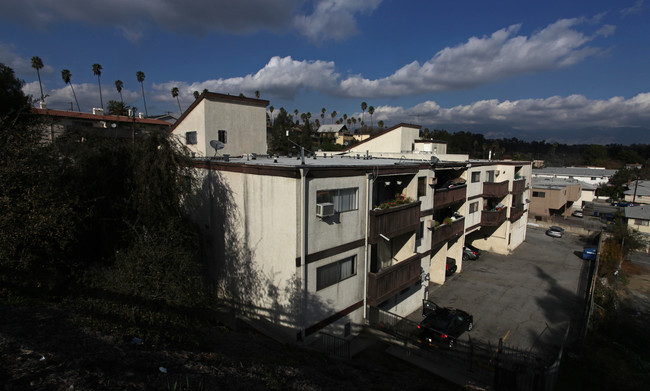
97	70
364	105
271	108
175	95
371	111
140	75
322	114
66	75
257	94
37	64
333	115
119	84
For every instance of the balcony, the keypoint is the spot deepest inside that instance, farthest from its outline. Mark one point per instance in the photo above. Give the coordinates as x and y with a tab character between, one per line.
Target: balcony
388	282
444	233
493	218
516	212
495	190
518	186
395	221
446	197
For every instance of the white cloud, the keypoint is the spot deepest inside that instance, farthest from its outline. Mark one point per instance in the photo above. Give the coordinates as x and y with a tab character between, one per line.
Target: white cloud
632	10
333	19
554	113
281	77
483	60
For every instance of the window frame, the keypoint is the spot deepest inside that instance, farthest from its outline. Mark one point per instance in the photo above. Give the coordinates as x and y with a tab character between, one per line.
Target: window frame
478	179
336	272
473	205
222	136
334	196
539	194
422	186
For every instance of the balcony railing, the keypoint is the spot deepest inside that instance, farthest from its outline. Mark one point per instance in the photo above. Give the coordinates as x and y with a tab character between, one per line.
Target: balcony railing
493	218
395	221
516	212
495	190
388	282
444	233
446	197
518	186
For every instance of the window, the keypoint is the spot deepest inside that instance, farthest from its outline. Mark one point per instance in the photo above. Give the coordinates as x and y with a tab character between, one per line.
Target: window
640	222
343	199
476	176
422	186
490	176
419	234
190	138
336	272
473	207
539	194
222	136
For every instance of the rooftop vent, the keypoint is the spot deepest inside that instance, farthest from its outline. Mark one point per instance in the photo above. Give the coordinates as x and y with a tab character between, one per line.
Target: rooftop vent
98	111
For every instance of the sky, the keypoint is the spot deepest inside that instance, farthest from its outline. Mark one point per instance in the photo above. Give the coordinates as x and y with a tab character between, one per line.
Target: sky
573	72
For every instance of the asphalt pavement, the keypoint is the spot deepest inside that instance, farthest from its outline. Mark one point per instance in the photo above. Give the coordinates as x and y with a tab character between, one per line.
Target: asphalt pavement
527	298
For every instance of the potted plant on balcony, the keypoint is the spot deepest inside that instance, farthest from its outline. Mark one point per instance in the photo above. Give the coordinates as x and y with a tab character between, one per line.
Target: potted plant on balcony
448	220
400	199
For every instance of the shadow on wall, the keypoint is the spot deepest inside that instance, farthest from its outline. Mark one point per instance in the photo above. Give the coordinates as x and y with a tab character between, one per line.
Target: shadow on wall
233	266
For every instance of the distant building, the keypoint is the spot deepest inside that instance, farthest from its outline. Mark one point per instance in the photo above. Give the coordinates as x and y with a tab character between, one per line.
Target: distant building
59	121
554	197
538	163
638	218
337	132
638	192
595	176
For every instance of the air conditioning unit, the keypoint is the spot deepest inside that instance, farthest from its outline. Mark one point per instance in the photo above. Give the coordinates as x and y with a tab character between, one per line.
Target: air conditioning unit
324	209
431	224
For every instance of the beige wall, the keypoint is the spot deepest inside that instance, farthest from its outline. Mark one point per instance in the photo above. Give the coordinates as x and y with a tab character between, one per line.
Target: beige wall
396	141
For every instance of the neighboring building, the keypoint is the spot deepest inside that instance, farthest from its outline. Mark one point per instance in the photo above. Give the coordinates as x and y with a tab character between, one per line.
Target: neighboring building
554	197
638	218
309	244
403	141
594	176
337	132
638	192
233	121
59	121
538	163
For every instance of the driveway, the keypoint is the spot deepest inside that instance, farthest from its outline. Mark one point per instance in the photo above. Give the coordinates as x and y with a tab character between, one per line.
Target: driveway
526	298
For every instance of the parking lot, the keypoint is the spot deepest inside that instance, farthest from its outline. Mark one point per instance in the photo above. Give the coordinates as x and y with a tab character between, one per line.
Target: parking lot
526	298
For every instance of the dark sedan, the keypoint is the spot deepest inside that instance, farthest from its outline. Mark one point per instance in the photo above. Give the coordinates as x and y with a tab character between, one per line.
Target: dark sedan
443	325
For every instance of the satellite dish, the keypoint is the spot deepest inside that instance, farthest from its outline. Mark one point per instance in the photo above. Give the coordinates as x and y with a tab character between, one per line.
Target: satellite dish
217	145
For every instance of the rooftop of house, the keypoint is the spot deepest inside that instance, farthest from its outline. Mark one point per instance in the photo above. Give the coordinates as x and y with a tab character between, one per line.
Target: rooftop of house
381	133
332	128
554	183
642	188
74	115
575	171
641	212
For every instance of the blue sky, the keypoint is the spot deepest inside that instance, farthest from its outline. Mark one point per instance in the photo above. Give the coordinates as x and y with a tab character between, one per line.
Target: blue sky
567	71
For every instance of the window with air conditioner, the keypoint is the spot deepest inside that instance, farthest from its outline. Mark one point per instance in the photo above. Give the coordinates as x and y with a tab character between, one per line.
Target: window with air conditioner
344	200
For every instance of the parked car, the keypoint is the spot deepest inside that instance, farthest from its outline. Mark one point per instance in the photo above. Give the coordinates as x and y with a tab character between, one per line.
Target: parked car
450	267
443	325
470	254
577	213
589	253
555	231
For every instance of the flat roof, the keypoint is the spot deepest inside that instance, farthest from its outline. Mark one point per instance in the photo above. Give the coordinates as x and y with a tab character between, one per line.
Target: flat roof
574	171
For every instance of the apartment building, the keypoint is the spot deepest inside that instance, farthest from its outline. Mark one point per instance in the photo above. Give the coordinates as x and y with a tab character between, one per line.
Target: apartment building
554	197
310	242
594	176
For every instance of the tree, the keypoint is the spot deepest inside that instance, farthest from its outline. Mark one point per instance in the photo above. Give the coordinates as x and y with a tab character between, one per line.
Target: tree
140	76
333	115
37	64
97	71
364	105
257	94
196	94
66	75
175	95
119	85
117	108
322	114
380	123
371	111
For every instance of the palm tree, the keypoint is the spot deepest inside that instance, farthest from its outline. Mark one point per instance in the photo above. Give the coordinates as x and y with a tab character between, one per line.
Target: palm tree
196	94
97	70
140	76
257	94
37	64
380	123
175	95
371	111
271	108
119	84
354	122
364	105
333	115
66	75
322	114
